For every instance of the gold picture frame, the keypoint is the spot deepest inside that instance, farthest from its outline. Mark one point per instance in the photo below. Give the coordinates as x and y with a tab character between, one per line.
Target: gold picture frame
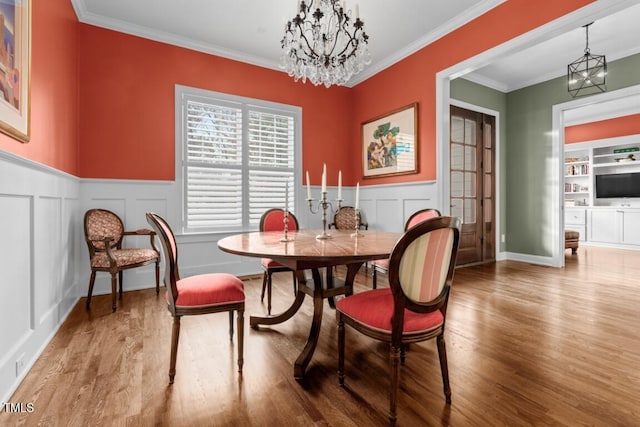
15	68
390	143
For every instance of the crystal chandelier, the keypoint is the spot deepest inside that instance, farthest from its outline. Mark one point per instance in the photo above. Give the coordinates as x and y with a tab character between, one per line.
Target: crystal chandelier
324	44
588	74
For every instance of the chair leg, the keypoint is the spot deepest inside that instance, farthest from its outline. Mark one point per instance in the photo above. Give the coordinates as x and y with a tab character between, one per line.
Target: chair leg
375	278
264	286
393	393
341	334
120	282
158	277
231	325
175	335
442	353
114	291
92	281
269	293
240	339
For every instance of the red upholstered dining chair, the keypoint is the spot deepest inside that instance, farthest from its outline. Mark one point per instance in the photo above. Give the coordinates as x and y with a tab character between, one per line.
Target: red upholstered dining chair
273	220
104	232
382	265
200	294
414	307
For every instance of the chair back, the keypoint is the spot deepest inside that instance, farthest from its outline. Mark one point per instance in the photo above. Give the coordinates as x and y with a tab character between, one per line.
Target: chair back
170	249
421	267
345	219
420	216
273	220
101	223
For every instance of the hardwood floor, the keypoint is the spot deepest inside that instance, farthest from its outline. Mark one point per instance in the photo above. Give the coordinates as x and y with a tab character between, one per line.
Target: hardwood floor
527	345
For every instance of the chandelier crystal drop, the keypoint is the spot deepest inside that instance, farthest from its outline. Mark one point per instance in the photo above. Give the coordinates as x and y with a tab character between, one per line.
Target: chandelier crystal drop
324	44
588	74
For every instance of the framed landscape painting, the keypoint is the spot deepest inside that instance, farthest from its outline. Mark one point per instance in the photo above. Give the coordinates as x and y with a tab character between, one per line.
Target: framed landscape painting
15	63
390	143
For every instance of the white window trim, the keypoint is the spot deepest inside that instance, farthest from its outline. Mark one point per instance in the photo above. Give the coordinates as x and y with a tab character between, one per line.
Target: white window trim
185	91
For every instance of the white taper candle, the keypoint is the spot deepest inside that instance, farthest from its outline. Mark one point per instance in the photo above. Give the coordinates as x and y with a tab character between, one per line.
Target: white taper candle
324	178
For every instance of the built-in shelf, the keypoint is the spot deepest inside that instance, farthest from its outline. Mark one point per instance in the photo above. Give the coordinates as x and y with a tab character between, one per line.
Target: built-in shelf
609	164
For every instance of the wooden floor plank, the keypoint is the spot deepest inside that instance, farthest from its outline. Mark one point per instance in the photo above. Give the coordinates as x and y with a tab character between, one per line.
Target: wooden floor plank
527	345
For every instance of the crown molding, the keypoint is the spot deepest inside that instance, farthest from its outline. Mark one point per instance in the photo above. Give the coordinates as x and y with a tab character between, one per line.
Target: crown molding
449	26
124	27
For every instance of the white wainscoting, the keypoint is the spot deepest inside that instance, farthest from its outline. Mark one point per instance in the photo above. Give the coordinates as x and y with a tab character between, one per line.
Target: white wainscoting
384	208
39	252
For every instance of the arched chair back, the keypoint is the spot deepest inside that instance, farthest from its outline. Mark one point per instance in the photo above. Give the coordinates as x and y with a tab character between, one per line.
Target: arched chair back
345	219
104	233
414	307
200	294
273	220
170	250
382	265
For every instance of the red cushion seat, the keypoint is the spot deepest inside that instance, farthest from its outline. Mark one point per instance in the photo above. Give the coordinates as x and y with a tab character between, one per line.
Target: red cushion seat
209	289
269	263
375	309
382	263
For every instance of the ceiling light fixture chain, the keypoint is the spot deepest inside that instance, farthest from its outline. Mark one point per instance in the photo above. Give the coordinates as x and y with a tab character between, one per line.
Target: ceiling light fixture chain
587	75
324	44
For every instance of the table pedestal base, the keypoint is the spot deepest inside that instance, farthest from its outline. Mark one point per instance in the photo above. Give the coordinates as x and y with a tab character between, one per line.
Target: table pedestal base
319	292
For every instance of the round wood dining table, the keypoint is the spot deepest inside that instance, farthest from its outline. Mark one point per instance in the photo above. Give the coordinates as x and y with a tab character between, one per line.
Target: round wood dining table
304	251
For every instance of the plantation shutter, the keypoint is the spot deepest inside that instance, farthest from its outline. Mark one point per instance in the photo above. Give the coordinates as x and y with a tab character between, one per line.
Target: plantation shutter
239	159
271	161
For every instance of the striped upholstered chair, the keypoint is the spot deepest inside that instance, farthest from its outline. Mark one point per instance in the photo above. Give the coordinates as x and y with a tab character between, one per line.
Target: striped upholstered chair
104	232
382	265
414	307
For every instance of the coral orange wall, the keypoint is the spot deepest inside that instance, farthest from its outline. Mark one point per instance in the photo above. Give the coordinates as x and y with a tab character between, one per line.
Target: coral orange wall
127	106
413	79
611	128
54	88
102	101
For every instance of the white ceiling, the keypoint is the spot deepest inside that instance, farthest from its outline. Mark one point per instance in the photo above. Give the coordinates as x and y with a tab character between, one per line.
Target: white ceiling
251	30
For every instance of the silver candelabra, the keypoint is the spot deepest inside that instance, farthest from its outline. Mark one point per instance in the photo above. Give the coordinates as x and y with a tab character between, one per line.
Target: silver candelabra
323	204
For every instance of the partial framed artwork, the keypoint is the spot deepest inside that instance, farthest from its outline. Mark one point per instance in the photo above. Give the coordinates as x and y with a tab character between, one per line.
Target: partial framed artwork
390	143
15	68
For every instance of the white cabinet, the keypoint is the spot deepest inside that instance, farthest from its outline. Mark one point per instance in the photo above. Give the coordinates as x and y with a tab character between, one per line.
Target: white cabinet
575	219
618	226
603	226
631	227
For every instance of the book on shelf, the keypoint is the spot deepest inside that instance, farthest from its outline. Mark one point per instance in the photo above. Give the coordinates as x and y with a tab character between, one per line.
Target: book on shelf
577	170
625	150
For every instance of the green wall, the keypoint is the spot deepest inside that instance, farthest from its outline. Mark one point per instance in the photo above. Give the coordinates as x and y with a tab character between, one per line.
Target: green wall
482	96
529	156
526	184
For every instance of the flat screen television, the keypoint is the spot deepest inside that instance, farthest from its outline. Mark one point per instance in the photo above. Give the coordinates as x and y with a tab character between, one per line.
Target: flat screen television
618	185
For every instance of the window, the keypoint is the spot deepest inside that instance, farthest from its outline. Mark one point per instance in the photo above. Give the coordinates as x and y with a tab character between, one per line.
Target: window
238	156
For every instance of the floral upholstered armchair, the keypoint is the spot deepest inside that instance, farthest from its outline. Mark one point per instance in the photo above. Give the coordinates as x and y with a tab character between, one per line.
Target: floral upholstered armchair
104	232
